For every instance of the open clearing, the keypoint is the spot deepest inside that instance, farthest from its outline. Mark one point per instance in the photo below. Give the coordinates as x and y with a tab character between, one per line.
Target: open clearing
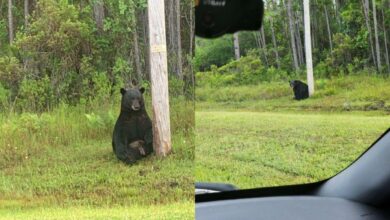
258	149
66	183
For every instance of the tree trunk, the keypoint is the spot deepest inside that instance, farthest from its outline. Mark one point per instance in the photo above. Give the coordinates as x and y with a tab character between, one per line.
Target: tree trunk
159	78
292	35
328	27
26	13
145	22
98	11
171	41
236	46
264	45
309	61
299	37
385	39
274	43
179	61
190	88
260	44
26	16
299	45
337	8
136	56
187	30
378	52
366	10
314	30
10	22
192	32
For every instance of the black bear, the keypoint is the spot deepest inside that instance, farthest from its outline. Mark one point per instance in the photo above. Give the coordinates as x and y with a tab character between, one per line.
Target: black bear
301	90
133	136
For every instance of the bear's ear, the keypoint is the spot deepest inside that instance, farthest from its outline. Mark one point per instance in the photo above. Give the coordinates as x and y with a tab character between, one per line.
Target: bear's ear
123	91
142	90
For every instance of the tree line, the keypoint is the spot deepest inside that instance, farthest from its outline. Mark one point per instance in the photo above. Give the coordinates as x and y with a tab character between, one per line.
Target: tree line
346	36
78	51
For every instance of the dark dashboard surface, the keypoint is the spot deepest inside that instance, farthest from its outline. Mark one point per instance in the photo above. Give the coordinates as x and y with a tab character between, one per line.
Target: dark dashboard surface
289	207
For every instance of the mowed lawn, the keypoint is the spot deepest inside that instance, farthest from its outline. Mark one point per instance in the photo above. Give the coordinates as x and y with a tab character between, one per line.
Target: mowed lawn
86	181
177	211
258	149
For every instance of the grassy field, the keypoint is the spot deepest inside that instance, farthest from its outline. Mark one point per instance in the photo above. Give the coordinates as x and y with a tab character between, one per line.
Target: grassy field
60	165
257	135
258	149
349	93
174	211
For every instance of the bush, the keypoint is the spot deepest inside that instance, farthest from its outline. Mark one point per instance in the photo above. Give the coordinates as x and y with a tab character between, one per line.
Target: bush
4	97
53	48
101	88
213	52
36	95
103	120
10	72
248	70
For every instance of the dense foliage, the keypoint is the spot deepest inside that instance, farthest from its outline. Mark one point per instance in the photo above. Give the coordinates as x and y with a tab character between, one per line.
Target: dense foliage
343	40
80	51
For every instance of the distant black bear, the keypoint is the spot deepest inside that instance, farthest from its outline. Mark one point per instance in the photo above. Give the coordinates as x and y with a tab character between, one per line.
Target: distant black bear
301	90
133	137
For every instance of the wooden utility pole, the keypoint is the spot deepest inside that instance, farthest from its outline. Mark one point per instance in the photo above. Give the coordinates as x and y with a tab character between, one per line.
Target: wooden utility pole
159	78
309	61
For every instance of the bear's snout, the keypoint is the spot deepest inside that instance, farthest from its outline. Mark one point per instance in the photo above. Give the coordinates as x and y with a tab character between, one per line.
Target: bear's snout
135	105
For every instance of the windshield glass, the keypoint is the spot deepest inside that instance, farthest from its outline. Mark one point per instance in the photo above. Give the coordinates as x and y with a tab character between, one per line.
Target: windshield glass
256	123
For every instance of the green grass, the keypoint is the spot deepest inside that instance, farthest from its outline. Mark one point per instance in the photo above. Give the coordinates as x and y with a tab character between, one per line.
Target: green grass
62	161
349	93
258	135
258	149
177	211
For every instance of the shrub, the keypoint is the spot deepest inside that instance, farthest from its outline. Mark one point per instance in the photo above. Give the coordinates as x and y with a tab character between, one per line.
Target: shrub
213	52
4	97
36	95
248	70
10	72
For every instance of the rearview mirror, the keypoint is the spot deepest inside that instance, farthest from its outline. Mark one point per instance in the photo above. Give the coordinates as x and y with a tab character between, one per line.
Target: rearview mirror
214	18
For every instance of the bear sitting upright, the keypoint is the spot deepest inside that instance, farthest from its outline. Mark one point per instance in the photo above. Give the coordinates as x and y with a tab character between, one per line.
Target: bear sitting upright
133	136
301	90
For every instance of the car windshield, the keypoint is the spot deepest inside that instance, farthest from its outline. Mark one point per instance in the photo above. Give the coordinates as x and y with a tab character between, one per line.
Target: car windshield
259	121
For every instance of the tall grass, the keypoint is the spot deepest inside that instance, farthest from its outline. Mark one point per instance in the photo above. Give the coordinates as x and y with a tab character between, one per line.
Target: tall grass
346	93
64	158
